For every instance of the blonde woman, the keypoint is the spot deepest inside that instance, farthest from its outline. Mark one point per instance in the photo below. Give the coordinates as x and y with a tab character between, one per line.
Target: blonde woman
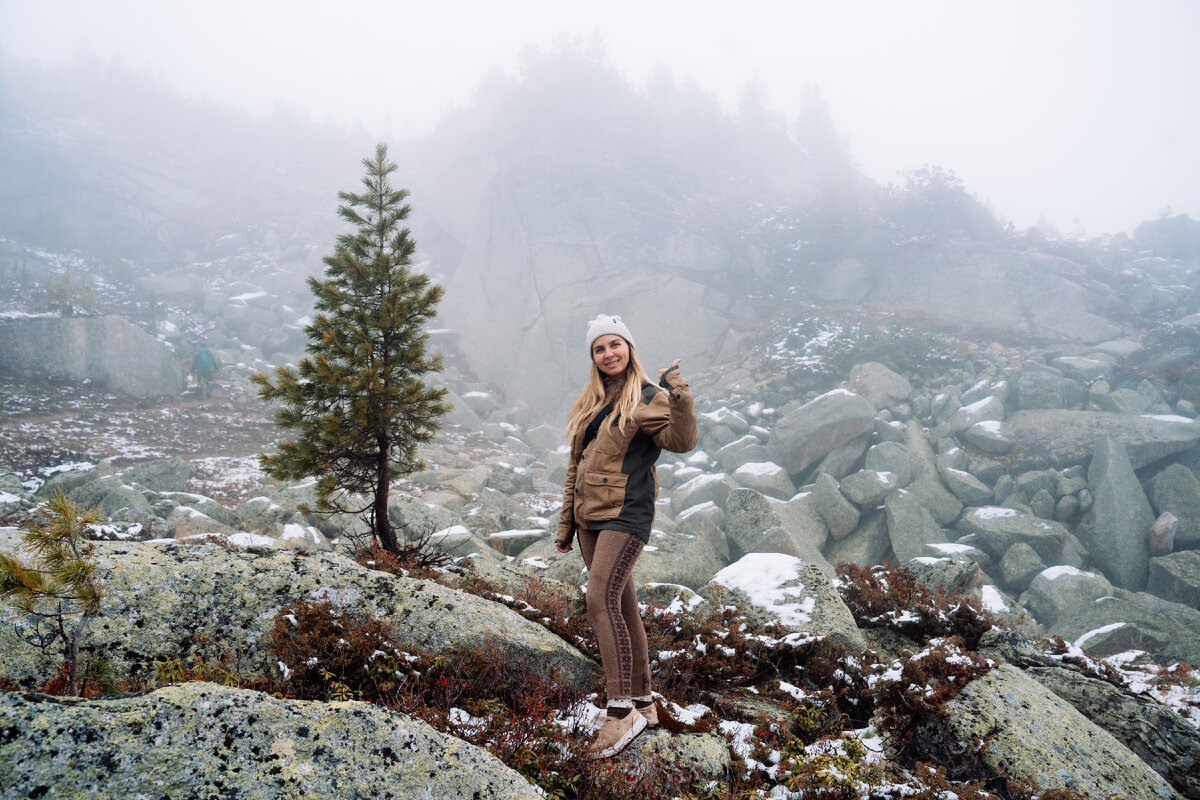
618	426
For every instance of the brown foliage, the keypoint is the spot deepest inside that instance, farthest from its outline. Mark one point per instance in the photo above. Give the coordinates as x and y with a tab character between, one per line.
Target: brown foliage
883	596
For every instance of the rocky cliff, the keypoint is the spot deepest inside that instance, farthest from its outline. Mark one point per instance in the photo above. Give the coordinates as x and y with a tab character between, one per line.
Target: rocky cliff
106	349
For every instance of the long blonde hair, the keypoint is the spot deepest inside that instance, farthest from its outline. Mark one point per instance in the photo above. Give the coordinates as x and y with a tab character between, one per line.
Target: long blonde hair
591	399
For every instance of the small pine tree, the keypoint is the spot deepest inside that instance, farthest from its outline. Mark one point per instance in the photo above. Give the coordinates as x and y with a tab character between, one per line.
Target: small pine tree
358	402
59	590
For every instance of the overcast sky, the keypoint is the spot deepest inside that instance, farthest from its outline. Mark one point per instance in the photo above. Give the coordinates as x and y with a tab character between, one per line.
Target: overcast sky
1085	111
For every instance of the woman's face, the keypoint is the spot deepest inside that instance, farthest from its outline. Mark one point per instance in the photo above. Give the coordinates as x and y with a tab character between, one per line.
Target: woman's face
611	354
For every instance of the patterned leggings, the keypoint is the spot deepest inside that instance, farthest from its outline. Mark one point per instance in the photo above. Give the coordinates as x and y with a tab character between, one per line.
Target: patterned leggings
612	606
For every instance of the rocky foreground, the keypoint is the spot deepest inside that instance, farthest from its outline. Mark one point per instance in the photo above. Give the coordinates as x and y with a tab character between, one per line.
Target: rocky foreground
1064	506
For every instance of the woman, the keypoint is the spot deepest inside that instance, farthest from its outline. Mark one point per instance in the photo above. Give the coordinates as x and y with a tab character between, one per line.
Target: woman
617	429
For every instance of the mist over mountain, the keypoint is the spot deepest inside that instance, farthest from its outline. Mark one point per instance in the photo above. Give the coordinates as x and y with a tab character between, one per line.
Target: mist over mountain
556	193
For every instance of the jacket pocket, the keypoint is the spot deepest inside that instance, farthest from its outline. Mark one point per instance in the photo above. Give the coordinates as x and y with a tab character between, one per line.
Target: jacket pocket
602	497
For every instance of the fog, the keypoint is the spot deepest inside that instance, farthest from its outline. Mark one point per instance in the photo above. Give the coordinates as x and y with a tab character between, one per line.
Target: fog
1079	114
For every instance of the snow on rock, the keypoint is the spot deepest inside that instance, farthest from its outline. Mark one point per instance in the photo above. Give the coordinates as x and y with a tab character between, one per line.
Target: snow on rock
759	468
244	539
991	599
1078	643
763	577
1053	573
993	512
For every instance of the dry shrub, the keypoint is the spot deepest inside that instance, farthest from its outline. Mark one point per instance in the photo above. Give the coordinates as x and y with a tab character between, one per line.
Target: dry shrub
221	666
910	703
657	776
1181	674
96	679
839	770
1068	654
716	648
818	718
884	596
417	559
327	653
489	694
560	608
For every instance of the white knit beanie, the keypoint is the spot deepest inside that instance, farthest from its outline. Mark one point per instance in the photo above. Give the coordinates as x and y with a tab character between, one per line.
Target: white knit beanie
605	324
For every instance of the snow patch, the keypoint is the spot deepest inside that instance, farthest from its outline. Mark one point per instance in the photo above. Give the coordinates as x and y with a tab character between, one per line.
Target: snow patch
991	599
1098	632
993	512
762	577
244	539
759	468
1064	570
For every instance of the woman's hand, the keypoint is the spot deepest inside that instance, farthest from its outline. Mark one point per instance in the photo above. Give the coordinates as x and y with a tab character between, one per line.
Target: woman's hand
662	372
562	547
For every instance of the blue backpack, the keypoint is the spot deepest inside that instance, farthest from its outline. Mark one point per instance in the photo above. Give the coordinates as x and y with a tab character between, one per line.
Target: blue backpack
205	361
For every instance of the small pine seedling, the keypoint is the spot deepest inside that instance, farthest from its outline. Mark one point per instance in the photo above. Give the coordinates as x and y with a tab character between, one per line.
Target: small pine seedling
58	588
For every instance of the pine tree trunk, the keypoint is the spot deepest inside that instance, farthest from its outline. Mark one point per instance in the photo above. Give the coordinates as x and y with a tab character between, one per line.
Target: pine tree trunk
73	657
383	480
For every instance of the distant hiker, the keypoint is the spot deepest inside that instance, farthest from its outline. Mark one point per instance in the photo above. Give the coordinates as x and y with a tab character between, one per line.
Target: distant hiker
204	367
618	426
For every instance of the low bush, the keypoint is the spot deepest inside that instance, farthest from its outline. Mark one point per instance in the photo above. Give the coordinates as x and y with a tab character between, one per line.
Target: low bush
884	596
910	699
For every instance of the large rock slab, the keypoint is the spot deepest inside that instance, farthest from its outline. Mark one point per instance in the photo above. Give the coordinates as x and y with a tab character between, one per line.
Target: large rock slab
879	384
1038	386
686	559
808	432
525	253
766	477
926	484
107	349
984	287
161	475
796	593
1059	591
1176	578
161	598
1157	734
710	487
755	524
1177	491
966	487
911	528
867	487
182	740
996	528
1116	529
868	544
1133	621
839	514
694	758
1031	732
1063	438
990	408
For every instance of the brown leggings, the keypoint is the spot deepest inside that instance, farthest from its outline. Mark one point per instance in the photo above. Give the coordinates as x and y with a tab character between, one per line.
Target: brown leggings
612	606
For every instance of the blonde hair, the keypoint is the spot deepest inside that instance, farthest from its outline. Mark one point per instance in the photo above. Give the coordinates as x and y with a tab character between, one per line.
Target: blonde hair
591	399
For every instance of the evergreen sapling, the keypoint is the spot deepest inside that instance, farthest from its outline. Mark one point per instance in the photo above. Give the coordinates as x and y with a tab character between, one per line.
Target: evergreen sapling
357	402
58	590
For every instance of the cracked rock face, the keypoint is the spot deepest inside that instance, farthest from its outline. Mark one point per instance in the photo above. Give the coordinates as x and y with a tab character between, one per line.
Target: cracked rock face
204	740
105	348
